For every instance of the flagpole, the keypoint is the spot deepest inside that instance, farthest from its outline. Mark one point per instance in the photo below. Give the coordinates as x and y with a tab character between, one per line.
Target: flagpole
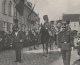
29	16
32	9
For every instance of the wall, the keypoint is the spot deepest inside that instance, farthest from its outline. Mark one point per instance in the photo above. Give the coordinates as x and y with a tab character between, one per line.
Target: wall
5	17
24	23
74	25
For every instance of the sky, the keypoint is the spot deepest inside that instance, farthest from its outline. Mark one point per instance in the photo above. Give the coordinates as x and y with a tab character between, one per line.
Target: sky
55	8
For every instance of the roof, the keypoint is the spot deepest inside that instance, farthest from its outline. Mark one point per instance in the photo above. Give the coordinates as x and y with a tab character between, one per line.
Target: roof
71	17
59	21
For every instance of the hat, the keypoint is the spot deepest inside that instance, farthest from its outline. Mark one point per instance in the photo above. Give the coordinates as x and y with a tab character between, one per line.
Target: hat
16	21
15	26
51	21
45	17
64	25
68	22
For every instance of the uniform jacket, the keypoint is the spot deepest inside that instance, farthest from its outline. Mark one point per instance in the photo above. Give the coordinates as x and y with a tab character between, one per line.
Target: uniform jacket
78	43
16	40
30	34
65	36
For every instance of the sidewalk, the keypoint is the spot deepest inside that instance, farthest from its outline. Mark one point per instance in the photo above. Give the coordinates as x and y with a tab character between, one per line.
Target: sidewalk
38	50
35	57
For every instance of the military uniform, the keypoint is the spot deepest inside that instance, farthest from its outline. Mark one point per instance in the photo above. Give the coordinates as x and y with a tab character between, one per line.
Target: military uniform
78	43
52	36
65	43
30	39
45	33
2	40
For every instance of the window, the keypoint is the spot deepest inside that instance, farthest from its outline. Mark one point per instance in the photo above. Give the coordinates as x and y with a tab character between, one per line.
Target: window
4	26
11	27
15	12
74	24
29	4
8	26
4	7
10	8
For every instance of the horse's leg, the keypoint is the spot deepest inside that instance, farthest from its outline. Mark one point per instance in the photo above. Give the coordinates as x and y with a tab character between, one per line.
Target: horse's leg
51	46
43	48
47	47
38	42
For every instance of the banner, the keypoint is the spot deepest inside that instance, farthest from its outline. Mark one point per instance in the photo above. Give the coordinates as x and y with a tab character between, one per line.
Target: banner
20	7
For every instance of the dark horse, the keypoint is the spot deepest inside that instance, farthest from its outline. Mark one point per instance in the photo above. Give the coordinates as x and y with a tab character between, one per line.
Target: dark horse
44	34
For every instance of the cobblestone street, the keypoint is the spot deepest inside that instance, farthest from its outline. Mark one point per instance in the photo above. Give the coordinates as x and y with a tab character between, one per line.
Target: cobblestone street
35	57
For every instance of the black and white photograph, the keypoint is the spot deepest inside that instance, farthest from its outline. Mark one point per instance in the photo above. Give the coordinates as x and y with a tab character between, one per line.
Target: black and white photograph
39	32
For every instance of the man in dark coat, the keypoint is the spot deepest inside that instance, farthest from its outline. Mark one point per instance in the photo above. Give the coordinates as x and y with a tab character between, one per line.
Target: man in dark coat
34	35
1	41
30	36
15	24
65	44
18	38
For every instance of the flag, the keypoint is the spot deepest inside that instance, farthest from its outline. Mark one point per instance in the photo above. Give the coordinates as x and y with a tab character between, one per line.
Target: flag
20	7
32	10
